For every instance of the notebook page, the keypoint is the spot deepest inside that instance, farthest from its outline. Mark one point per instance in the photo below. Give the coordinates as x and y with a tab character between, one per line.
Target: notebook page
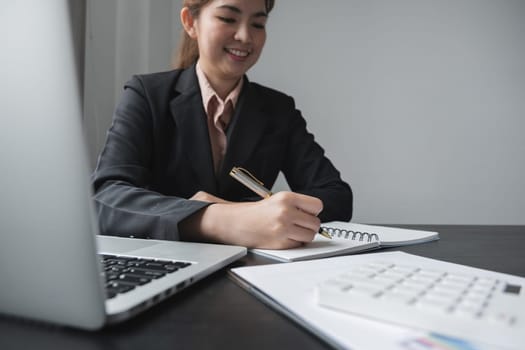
320	247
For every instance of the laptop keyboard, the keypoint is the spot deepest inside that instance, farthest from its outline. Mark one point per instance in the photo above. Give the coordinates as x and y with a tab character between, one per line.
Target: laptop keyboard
123	274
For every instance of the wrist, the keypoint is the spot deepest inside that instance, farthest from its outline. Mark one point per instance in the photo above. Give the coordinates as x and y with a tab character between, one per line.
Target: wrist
215	222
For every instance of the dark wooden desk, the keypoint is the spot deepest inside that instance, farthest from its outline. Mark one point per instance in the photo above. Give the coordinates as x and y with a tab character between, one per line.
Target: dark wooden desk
217	314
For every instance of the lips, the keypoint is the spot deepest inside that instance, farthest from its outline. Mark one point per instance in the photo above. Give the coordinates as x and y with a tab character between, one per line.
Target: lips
238	53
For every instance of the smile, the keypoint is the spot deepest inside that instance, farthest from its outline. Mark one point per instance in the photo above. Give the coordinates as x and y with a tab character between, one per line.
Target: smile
238	53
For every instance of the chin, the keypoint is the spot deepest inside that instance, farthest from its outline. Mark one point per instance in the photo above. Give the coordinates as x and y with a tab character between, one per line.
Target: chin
236	73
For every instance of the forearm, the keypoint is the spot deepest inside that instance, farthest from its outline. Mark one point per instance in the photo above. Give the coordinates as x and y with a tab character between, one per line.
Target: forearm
210	224
126	210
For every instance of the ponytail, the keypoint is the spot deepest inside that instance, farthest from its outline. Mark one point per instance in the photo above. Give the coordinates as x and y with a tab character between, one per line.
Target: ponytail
187	52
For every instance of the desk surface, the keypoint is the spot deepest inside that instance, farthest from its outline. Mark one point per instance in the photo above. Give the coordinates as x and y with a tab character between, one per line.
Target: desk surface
216	313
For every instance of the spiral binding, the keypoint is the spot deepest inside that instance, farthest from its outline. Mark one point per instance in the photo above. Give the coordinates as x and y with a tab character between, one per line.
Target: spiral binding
350	234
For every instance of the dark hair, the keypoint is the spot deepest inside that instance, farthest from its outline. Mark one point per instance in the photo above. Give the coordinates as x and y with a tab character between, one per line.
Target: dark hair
188	50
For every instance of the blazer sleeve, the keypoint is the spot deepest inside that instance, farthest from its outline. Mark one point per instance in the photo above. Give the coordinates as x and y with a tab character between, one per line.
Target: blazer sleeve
124	202
308	171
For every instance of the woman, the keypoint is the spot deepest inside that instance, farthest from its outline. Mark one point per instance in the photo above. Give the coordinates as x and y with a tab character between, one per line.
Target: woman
163	172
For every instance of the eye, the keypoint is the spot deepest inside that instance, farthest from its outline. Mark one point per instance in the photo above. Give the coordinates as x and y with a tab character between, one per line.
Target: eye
258	25
226	19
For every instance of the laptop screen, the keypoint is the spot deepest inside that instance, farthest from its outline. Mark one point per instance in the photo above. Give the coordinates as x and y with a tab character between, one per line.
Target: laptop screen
46	217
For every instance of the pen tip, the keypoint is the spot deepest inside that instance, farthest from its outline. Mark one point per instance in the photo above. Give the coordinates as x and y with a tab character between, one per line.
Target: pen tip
325	234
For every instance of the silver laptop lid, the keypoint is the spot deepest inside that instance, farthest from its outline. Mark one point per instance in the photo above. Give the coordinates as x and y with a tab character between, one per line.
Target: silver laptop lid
49	268
47	246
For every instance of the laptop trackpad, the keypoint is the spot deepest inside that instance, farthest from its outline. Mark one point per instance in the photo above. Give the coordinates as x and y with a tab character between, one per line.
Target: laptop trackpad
119	245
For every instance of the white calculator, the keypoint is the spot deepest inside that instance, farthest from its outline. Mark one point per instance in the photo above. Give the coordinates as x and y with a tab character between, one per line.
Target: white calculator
432	295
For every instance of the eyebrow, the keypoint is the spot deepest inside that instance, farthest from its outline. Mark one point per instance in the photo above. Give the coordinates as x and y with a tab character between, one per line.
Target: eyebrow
238	10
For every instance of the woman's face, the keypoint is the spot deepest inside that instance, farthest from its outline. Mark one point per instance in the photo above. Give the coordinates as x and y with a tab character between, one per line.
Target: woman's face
231	35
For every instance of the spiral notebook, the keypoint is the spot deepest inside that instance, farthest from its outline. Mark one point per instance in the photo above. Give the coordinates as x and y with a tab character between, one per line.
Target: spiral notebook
350	238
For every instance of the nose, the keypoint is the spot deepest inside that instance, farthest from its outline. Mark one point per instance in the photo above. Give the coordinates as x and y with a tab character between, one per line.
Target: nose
243	34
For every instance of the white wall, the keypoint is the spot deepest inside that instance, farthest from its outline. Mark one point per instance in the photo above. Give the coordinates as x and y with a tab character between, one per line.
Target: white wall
123	37
419	103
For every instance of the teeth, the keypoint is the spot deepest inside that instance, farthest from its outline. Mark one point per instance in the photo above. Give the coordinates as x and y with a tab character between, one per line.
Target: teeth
238	52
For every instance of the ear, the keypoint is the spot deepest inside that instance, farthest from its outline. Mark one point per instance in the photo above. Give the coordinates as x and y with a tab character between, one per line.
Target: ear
188	22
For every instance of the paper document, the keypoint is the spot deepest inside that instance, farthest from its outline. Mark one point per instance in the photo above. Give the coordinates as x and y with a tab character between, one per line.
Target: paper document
290	289
350	238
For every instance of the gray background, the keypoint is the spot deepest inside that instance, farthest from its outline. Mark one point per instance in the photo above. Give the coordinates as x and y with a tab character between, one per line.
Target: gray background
419	103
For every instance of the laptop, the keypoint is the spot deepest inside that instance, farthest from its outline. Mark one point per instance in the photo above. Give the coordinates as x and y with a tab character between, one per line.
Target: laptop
54	267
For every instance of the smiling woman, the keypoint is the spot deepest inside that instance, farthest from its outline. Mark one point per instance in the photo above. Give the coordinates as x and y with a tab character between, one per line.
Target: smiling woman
229	38
188	51
164	170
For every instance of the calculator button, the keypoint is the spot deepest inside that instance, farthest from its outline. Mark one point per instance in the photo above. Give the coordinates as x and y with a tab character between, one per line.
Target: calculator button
499	317
433	305
363	289
440	297
463	310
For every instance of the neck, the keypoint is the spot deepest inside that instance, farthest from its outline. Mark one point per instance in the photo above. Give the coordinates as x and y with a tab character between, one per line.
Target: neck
222	87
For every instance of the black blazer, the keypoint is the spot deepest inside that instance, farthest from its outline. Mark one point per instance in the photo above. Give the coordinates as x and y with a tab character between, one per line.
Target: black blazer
157	154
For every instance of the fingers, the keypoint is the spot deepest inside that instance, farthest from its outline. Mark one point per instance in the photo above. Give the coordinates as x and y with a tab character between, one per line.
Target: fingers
298	215
308	204
306	221
300	234
308	207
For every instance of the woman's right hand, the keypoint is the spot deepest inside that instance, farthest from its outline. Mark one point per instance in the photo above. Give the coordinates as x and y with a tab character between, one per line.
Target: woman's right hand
284	220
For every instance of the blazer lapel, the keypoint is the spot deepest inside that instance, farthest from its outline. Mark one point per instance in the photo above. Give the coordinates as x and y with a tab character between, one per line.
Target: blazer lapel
248	126
192	136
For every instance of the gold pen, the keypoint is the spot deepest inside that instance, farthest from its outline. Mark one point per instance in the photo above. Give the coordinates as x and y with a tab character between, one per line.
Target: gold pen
247	179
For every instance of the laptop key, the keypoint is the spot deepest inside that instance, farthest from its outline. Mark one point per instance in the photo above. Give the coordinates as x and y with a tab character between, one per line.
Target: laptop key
119	286
155	266
171	268
146	272
116	268
110	276
135	279
181	264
